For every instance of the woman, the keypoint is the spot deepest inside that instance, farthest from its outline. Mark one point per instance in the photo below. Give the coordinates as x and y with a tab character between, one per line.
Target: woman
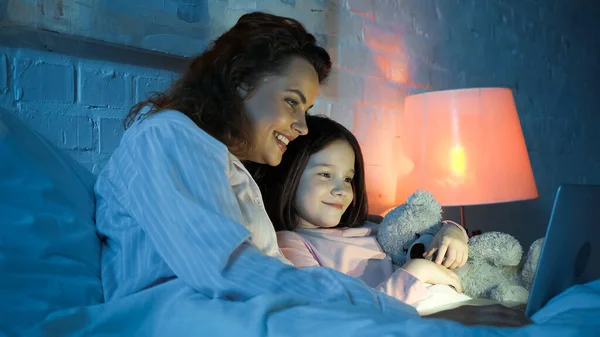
175	201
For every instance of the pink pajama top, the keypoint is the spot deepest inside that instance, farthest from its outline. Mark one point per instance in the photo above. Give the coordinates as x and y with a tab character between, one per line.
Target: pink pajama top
355	252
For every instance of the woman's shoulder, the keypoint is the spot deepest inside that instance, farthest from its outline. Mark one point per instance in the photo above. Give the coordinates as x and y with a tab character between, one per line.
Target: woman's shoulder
167	136
173	126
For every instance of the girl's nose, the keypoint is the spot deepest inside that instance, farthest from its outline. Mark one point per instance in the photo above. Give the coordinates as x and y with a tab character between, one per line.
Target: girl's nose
339	189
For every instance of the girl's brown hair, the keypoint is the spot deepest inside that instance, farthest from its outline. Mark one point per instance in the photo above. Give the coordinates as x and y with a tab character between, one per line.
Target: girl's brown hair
279	185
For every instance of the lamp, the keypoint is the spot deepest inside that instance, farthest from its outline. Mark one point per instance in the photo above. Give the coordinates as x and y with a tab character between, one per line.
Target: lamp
466	147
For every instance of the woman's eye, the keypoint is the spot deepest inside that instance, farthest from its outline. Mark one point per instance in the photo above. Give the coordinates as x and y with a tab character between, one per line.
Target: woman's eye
292	103
325	175
348	180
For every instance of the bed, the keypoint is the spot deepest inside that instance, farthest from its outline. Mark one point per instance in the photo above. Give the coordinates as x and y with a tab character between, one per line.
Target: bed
50	274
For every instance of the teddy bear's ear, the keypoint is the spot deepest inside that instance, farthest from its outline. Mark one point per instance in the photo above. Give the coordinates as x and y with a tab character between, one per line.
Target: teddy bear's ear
425	199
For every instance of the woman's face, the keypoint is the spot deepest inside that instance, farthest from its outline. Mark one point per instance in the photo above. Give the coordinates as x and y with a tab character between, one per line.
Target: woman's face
277	110
325	188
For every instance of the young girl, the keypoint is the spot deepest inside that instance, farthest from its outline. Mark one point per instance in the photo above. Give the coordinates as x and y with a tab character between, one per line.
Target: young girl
317	201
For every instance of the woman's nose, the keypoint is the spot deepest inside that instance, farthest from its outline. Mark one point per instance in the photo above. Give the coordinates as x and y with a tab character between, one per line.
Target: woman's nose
300	126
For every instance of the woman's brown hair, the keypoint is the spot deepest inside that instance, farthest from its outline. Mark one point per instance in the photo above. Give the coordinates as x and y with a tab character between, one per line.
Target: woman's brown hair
257	46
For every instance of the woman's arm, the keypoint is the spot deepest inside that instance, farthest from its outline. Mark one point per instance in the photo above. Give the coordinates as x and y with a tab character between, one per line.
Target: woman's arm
177	190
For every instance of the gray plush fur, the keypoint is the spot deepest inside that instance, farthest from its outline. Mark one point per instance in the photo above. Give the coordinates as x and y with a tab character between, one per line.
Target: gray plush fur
421	214
495	269
533	256
496	248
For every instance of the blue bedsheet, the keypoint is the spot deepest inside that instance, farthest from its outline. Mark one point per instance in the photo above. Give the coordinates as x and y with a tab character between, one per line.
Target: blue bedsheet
173	309
50	274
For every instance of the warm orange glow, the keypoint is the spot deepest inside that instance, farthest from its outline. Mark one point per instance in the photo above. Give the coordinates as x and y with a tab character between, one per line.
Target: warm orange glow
394	71
466	147
365	15
457	160
399	72
389	54
375	128
384	40
383	64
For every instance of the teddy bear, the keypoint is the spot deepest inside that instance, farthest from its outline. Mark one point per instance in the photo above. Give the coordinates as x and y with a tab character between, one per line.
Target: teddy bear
495	268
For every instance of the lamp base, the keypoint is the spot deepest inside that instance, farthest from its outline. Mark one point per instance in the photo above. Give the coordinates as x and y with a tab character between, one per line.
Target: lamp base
463	223
462	219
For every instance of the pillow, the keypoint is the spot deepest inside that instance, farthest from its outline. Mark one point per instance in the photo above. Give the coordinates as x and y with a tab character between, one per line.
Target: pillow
49	249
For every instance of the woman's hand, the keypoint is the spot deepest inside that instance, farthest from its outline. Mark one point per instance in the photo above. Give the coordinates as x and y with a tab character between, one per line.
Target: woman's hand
450	243
429	272
492	315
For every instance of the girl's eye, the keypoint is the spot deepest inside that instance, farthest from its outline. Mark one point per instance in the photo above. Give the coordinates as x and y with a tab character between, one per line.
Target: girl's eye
325	175
292	103
348	180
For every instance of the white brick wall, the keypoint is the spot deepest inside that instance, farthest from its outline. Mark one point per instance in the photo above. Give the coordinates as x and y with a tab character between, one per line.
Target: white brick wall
79	104
383	50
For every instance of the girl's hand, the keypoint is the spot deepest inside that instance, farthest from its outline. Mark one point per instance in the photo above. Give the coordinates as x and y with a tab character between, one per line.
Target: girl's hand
450	243
429	272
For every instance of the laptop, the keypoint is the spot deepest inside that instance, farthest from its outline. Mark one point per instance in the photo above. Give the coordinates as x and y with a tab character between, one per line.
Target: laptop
569	254
571	248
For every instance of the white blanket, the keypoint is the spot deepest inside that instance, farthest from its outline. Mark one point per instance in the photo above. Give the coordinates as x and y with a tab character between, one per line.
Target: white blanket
173	309
440	297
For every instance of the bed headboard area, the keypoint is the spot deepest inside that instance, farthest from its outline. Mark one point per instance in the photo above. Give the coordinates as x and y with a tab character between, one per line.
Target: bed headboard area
178	27
153	33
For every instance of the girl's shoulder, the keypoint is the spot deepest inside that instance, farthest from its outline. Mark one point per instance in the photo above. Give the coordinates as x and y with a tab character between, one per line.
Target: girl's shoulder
288	235
364	230
289	239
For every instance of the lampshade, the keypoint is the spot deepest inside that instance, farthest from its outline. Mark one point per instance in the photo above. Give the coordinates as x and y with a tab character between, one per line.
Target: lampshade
466	147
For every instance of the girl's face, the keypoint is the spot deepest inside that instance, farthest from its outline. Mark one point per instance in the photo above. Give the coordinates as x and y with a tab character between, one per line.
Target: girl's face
277	110
325	189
